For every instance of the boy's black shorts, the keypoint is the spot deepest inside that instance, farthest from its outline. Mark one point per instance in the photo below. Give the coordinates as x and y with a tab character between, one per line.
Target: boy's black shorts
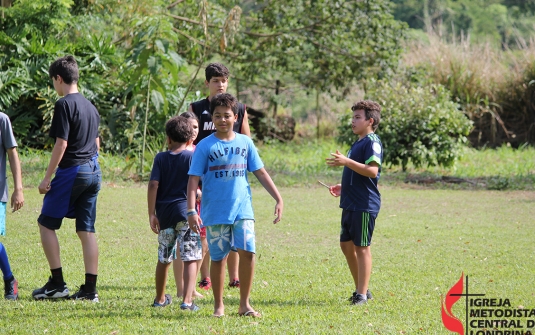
357	227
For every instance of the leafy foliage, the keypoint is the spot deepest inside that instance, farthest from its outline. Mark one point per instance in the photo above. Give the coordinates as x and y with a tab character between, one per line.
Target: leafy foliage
507	23
419	124
322	44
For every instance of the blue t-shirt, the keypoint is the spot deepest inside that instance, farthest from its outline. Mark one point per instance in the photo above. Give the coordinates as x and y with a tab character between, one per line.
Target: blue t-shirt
223	166
360	193
171	172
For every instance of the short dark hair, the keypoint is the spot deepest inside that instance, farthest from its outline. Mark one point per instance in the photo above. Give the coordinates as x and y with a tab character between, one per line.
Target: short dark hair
216	70
179	129
225	100
66	67
371	110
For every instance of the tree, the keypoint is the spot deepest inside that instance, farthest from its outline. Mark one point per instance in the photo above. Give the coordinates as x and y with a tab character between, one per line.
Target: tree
322	44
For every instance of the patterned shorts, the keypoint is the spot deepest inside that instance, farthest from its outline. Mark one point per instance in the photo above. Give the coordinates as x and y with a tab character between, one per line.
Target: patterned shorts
188	241
224	237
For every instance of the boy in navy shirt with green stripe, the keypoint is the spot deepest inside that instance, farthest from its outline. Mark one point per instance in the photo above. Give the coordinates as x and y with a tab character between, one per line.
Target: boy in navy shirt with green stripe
359	196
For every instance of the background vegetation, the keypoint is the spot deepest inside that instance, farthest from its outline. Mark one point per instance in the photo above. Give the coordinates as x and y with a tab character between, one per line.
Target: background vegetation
448	73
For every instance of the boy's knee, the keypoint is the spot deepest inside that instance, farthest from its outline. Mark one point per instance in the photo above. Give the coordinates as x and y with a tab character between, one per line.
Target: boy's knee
362	250
246	255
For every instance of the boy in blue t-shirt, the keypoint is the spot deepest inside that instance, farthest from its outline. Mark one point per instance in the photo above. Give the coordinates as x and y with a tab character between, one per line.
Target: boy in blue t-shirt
359	196
223	160
166	197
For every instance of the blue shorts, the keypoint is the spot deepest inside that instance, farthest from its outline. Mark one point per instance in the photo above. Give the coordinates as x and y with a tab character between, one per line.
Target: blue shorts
357	227
73	194
224	237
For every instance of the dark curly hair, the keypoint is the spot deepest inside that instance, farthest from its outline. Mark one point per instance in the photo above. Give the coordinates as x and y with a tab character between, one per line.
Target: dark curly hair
225	100
371	110
216	70
179	129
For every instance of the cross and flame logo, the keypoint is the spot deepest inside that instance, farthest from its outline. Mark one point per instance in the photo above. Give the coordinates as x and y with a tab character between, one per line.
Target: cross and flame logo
450	321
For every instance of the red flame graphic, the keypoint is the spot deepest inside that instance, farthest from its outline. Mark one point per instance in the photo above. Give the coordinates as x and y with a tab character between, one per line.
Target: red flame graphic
450	321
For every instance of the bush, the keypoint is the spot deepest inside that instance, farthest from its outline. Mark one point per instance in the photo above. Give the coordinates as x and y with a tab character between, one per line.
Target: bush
420	125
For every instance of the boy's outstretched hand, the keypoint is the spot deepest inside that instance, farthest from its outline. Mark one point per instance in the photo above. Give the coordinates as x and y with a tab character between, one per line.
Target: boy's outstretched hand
338	159
335	190
278	212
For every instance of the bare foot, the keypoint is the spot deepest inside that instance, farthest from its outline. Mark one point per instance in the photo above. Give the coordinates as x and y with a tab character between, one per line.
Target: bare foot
197	295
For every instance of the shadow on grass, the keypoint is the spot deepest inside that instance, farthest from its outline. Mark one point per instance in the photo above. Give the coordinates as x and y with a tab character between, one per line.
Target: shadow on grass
434	181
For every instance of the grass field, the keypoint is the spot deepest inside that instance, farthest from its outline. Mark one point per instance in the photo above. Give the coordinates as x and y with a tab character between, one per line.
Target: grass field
424	240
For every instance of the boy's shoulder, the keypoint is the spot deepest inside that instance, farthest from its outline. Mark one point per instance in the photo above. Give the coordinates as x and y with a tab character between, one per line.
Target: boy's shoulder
4	117
76	98
168	154
373	137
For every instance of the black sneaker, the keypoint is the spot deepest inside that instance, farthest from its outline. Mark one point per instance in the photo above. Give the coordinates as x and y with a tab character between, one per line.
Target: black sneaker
358	299
83	295
369	295
192	307
51	290
11	289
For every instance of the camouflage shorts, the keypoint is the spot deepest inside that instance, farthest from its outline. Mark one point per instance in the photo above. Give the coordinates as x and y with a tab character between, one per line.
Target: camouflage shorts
182	237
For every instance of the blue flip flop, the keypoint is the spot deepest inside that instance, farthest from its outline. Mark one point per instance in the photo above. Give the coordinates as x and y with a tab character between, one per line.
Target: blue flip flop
165	303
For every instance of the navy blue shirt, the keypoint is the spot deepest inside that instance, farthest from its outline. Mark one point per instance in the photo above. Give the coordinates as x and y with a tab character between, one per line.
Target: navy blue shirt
360	193
171	172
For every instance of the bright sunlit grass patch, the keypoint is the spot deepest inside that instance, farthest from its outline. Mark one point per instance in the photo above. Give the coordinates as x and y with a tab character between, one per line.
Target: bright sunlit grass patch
424	240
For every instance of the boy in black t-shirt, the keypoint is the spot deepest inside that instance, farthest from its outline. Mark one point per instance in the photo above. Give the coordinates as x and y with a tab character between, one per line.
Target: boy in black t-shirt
73	191
166	198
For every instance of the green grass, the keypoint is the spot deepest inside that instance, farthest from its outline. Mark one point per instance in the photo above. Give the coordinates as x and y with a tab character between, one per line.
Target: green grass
424	240
302	164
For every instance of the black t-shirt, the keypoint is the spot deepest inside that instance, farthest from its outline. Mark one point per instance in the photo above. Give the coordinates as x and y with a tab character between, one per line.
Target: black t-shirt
201	108
171	172
76	120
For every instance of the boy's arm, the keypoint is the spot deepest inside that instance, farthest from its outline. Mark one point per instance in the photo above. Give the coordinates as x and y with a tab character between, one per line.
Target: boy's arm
245	129
17	198
264	179
98	144
367	170
152	191
57	155
194	221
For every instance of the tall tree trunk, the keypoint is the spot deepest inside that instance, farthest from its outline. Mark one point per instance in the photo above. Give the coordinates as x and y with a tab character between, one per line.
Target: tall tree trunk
318	114
145	128
5	3
427	19
275	105
237	89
